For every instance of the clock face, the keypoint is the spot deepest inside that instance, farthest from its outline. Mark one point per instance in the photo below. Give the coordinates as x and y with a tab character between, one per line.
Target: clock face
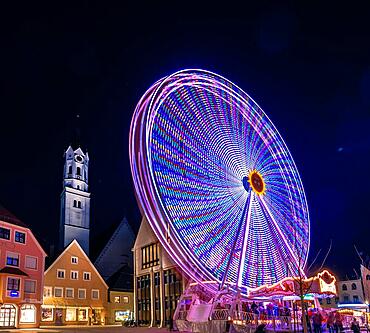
79	158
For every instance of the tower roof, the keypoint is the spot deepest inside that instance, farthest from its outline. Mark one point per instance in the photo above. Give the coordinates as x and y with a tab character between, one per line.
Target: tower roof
7	216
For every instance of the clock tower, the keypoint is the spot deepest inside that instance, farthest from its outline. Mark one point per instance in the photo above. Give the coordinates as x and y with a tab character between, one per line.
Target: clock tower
75	200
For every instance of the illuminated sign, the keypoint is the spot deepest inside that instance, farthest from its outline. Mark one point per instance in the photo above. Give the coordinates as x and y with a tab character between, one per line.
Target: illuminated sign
327	282
14	293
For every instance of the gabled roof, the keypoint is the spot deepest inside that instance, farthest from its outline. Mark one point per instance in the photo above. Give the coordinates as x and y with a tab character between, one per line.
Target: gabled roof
75	243
7	216
122	280
117	252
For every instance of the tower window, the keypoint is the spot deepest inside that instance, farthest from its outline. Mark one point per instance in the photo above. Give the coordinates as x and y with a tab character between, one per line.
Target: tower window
78	171
74	203
79	204
70	169
78	187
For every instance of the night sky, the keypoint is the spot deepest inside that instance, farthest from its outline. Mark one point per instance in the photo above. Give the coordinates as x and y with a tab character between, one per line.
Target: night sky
308	67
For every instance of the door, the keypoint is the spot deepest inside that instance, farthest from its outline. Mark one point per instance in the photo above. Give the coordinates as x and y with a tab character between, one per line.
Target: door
8	316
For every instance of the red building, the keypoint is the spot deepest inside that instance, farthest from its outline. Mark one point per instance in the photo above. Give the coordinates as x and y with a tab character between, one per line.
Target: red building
22	262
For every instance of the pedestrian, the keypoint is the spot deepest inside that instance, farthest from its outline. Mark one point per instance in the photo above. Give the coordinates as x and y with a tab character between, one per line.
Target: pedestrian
317	322
338	323
330	322
355	327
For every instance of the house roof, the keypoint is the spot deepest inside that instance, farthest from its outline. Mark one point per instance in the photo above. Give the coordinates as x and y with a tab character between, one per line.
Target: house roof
117	252
7	216
13	270
122	280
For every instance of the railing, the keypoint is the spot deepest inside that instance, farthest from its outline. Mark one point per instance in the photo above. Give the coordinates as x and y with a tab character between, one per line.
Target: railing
220	314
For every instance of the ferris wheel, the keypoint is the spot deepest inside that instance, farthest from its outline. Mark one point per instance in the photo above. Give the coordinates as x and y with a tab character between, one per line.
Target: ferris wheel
217	183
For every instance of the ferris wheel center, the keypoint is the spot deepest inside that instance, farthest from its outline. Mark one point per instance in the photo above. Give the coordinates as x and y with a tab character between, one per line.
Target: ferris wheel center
256	182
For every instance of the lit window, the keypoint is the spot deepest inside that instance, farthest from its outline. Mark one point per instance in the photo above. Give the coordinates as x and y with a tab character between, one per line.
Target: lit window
28	313
74	275
70	314
30	286
81	293
70	293
95	294
82	314
12	259
31	262
4	233
61	273
149	255
47	314
125	299
20	237
74	260
354	287
58	292
117	299
344	287
87	276
48	291
13	284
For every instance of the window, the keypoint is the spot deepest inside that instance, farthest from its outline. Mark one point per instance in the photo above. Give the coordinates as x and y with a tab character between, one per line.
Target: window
95	294
13	284
28	313
328	301
79	204
70	170
355	299
61	273
74	275
87	276
20	237
345	299
31	262
74	260
58	292
70	314
82	314
149	255
78	171
125	299
4	233
320	301
30	286
70	293
78	187
74	203
336	300
47	314
81	293
48	291
354	287
117	299
12	259
344	287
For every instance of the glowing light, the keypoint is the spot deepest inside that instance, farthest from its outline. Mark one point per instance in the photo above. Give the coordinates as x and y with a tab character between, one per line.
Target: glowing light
199	148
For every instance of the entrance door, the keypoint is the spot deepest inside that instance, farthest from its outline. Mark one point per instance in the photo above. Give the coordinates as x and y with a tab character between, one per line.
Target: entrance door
8	315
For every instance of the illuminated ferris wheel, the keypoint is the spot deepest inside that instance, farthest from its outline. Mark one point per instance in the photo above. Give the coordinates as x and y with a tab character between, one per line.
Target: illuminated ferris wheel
217	183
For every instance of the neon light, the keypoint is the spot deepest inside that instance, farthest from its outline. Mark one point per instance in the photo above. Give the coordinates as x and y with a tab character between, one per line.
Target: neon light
195	139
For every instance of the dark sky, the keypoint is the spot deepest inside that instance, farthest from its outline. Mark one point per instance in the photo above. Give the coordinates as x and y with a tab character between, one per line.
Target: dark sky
307	66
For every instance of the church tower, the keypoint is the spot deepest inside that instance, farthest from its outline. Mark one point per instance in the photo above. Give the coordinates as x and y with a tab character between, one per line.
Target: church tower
75	200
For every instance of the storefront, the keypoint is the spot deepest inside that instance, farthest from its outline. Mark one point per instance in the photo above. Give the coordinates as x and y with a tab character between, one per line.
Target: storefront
67	315
9	315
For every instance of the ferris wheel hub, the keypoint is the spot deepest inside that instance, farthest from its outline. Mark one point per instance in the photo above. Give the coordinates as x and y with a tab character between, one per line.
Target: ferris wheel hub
257	183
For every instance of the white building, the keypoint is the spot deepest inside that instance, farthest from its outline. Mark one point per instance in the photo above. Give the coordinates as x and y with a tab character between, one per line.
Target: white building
75	200
350	293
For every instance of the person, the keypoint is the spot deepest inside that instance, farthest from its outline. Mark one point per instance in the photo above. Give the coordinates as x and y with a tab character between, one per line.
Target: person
330	322
317	322
338	323
355	327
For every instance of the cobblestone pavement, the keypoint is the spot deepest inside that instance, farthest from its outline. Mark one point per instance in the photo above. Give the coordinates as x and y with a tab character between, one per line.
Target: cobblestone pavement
84	329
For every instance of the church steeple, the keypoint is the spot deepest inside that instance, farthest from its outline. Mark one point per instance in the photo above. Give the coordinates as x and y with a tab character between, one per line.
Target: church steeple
75	199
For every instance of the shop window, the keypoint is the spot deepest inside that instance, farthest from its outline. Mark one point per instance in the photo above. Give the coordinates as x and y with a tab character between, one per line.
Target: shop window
87	276
82	315
95	294
47	314
354	286
31	262
4	233
125	299
12	259
117	299
48	291
74	275
150	255
58	292
30	286
28	313
344	287
122	315
13	284
74	260
70	292
81	293
61	273
70	314
20	237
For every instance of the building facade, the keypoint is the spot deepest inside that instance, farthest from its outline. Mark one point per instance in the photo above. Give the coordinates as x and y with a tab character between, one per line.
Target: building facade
120	306
351	294
74	291
158	281
22	263
75	200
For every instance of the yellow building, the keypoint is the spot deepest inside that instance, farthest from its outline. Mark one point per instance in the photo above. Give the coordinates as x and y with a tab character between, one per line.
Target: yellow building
74	291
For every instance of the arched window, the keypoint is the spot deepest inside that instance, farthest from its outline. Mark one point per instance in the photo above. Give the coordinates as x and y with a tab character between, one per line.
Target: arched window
344	287
79	204
78	187
368	277
28	313
78	171
354	287
75	205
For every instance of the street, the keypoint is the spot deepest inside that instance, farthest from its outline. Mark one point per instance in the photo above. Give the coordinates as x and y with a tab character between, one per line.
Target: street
89	329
